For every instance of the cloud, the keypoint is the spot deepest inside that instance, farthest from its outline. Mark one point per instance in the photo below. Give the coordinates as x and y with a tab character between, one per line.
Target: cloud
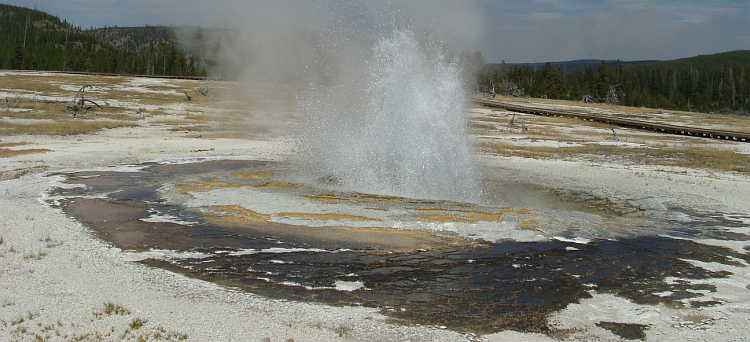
616	29
546	16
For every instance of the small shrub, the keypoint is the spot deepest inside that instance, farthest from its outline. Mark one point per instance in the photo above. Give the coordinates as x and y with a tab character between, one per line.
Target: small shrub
36	256
111	309
342	330
137	323
49	242
18	321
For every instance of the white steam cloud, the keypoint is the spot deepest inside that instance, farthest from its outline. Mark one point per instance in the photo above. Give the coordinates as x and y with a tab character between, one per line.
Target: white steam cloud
377	85
275	41
280	49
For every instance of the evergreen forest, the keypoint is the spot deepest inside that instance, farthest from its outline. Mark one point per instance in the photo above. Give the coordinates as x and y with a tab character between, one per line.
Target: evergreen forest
34	40
710	83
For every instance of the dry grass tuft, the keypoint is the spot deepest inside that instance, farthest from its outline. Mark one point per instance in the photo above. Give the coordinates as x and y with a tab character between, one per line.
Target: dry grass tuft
5	153
63	127
24	106
111	309
689	156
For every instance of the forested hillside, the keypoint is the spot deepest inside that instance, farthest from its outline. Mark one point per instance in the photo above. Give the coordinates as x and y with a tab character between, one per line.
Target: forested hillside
137	38
34	40
156	43
711	83
31	39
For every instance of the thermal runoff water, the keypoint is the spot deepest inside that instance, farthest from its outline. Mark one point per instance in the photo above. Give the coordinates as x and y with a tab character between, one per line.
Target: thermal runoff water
399	130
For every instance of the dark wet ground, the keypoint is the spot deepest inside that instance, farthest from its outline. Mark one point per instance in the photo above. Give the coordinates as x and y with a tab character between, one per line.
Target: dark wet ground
479	287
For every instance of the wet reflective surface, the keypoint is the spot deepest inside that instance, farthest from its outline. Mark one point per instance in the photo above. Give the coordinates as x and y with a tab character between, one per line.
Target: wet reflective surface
345	248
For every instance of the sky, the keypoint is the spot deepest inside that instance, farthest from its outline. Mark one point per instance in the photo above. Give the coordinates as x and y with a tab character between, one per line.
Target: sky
514	30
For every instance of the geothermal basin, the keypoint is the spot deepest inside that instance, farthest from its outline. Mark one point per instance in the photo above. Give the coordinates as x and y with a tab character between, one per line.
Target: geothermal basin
470	267
395	197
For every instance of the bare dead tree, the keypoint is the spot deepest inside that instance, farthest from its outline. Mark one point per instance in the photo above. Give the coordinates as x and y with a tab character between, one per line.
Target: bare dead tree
512	124
79	102
615	137
510	89
611	98
80	94
205	88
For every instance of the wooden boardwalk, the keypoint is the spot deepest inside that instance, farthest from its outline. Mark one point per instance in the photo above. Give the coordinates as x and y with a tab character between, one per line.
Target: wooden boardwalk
619	121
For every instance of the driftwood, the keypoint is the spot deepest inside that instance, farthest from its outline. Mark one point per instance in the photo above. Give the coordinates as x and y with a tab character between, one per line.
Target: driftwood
79	102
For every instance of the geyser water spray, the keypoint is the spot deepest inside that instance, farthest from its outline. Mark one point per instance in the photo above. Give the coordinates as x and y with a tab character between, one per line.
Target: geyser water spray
400	130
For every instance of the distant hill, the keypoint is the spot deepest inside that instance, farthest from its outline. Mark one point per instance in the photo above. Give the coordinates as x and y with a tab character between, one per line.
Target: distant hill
35	40
740	57
567	66
737	57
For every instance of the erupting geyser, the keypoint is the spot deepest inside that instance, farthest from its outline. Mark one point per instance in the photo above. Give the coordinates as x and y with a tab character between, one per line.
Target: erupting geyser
403	133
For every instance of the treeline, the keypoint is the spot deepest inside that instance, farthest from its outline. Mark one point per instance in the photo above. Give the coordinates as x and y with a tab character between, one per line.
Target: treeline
714	83
34	40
